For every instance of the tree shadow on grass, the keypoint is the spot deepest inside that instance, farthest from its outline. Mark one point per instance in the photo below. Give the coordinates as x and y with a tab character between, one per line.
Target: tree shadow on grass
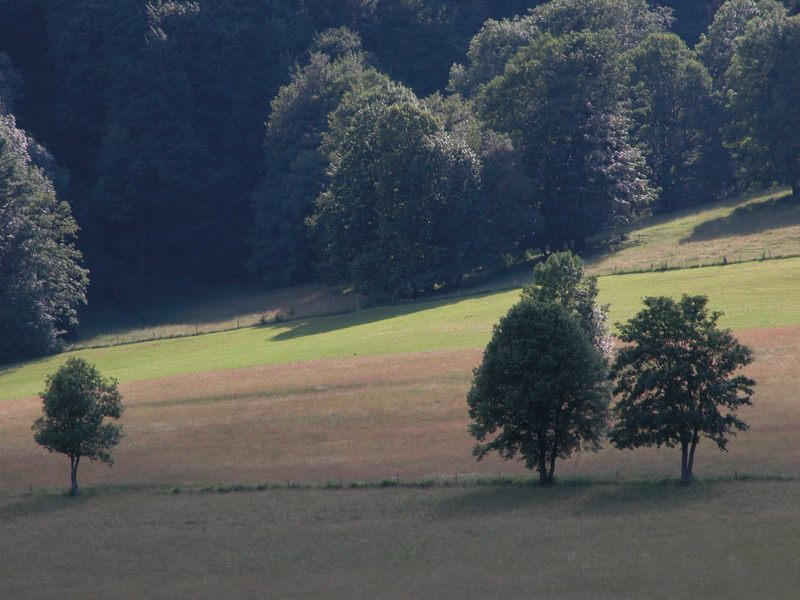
319	325
578	498
783	211
502	498
36	504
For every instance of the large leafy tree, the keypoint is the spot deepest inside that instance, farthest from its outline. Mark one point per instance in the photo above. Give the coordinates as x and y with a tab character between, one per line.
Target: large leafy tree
489	51
541	391
630	21
678	379
764	127
296	163
41	280
676	118
75	404
562	102
718	45
561	279
403	210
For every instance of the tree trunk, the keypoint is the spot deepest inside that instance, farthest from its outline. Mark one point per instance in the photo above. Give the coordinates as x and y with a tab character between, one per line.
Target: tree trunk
552	473
690	465
796	189
686	475
73	473
543	480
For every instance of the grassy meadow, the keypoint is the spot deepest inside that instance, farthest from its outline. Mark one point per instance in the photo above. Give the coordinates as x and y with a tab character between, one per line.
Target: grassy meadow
735	230
752	295
714	540
379	395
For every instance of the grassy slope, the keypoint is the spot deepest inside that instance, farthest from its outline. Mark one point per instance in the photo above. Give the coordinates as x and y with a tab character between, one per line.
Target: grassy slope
752	295
739	229
715	540
736	230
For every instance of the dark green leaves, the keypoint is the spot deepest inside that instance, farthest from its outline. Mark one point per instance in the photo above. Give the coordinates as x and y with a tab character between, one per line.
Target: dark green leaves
76	402
541	391
677	377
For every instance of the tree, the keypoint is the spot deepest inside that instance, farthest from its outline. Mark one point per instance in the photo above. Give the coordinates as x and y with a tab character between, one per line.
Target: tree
718	45
296	164
561	279
403	209
764	128
41	280
629	21
562	102
76	400
677	117
489	51
541	391
677	379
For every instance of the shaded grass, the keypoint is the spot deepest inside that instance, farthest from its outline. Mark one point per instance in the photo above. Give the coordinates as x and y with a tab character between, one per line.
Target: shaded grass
712	540
761	294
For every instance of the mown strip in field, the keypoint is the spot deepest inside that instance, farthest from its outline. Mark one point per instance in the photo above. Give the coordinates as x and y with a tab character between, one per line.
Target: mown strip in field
761	294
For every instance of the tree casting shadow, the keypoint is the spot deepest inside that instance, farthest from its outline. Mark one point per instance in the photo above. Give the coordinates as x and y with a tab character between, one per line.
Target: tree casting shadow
776	213
319	325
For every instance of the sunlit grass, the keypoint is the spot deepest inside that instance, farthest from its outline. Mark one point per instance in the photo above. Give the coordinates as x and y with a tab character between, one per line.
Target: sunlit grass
760	294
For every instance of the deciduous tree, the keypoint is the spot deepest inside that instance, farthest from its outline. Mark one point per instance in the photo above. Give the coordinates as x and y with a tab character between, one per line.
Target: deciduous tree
76	402
678	379
541	391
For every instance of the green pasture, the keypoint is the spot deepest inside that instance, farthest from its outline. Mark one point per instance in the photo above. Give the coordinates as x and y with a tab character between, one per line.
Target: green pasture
759	294
733	230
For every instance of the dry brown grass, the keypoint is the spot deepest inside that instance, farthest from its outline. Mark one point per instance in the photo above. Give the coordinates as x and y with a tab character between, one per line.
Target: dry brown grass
368	419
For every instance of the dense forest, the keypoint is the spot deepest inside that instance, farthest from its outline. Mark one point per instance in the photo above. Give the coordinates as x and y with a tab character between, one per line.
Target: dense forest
392	144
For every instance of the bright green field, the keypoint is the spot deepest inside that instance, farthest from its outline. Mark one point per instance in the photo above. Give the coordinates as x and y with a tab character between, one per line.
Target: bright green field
761	294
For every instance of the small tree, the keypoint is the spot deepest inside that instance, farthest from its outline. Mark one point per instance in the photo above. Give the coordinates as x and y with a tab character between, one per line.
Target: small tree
542	385
677	379
76	400
561	279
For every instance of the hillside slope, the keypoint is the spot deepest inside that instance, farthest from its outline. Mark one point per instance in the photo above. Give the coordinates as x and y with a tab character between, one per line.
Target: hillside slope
759	294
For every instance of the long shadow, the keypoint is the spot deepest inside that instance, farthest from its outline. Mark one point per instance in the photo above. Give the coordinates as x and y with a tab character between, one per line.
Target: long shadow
498	499
647	496
319	325
776	213
31	506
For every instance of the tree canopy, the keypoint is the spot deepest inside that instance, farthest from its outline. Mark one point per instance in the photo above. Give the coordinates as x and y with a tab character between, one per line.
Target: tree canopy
77	400
42	282
764	128
402	194
678	380
541	391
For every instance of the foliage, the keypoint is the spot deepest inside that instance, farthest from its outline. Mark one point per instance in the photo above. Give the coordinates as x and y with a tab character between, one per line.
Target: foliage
718	45
559	100
41	280
540	391
629	21
677	118
76	402
764	130
295	173
561	279
676	379
489	51
402	213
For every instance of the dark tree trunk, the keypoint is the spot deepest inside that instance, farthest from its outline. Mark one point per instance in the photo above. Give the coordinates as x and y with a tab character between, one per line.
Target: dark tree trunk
73	474
690	465
686	475
543	479
796	189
